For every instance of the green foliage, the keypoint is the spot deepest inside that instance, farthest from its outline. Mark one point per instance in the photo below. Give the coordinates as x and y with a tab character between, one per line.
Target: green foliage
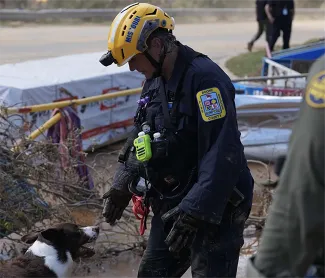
246	64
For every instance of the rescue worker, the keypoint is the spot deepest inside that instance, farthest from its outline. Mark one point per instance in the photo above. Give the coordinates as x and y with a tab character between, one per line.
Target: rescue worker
197	181
280	14
292	242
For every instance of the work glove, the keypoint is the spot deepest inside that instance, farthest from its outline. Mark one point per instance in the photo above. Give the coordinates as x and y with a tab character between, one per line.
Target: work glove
183	231
115	202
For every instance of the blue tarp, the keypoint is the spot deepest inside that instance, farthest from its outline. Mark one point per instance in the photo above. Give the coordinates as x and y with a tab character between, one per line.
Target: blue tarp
290	58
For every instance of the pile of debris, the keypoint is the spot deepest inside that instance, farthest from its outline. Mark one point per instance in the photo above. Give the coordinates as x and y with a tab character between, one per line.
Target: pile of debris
33	184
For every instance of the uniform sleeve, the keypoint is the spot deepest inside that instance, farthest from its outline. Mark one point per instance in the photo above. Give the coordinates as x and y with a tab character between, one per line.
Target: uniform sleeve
219	151
303	175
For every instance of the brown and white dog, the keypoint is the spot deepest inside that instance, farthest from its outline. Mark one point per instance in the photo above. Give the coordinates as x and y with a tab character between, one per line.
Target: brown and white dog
52	252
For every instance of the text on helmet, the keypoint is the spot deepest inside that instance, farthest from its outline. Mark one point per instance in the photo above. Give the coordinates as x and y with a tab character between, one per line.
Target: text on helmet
134	25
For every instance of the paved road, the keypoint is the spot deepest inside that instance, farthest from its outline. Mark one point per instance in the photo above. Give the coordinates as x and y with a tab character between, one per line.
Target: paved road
219	40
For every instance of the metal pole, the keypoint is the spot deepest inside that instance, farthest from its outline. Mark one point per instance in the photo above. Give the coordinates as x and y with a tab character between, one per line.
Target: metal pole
52	121
265	78
61	104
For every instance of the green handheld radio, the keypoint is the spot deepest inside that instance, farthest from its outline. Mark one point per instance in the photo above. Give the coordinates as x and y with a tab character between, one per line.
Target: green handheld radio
143	147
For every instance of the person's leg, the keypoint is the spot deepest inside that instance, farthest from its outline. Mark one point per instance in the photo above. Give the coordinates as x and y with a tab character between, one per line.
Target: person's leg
276	29
157	261
259	33
286	29
268	31
216	249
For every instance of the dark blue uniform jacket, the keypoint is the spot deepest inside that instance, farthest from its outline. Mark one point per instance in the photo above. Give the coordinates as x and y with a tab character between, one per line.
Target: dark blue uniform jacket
208	117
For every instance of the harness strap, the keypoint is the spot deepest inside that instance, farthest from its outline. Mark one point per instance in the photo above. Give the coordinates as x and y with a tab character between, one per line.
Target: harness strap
170	118
141	206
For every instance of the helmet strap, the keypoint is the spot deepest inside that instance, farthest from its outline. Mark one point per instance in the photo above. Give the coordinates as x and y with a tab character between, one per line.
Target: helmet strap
157	65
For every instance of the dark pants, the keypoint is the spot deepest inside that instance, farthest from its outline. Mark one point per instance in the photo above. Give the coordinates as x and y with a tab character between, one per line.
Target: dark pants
263	26
215	251
284	25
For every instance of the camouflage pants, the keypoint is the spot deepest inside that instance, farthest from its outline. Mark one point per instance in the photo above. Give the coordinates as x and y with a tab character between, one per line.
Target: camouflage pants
215	251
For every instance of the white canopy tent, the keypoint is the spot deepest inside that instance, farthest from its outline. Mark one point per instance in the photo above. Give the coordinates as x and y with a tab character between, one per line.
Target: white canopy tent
78	76
81	75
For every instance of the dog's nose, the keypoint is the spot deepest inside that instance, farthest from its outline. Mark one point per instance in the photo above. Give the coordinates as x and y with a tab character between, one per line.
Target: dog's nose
91	231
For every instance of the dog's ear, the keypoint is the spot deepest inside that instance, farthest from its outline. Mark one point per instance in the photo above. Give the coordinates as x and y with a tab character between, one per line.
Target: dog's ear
50	234
30	238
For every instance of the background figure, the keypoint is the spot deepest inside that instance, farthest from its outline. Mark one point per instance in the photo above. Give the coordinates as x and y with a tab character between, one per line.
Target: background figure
280	14
292	242
262	23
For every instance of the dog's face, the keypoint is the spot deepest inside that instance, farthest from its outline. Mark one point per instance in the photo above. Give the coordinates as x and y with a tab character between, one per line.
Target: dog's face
66	237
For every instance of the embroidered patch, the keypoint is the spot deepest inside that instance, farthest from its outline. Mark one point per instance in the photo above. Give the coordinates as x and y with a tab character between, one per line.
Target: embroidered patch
211	104
315	91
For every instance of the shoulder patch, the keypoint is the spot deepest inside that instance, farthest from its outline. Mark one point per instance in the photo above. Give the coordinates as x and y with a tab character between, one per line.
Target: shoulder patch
315	91
211	104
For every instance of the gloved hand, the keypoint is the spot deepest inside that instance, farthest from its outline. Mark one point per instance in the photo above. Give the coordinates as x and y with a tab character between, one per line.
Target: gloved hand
115	202
183	232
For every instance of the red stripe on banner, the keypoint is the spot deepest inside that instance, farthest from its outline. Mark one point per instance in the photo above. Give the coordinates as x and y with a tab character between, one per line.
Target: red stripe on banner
103	129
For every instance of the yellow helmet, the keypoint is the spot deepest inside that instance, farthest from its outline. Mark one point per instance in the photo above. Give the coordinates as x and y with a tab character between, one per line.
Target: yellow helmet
130	30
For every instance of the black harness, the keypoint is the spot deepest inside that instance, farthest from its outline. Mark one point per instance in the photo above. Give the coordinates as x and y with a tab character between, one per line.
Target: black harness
171	117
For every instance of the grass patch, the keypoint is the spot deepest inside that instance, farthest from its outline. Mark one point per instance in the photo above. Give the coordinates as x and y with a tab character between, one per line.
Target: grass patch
246	64
250	64
314	40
